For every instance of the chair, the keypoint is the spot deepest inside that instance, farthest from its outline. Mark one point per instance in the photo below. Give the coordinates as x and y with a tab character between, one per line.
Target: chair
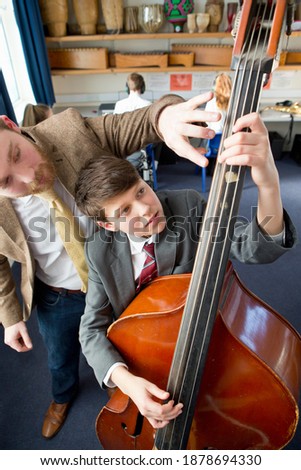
146	165
151	155
213	146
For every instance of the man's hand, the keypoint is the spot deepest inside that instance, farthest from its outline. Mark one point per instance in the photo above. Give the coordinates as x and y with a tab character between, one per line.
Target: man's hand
17	337
180	121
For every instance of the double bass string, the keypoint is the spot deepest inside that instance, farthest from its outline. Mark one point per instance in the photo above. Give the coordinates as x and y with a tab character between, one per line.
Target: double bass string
231	118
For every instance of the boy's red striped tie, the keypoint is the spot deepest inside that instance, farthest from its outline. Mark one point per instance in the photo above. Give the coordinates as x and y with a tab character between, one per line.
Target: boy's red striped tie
149	270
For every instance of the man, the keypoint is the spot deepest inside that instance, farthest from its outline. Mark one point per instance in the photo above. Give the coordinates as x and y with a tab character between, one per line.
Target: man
135	86
50	155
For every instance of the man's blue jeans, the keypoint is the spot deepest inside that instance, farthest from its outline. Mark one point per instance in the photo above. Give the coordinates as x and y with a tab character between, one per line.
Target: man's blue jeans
59	318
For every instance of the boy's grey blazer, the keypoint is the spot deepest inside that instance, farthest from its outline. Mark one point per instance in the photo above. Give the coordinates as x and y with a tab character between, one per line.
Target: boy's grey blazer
111	280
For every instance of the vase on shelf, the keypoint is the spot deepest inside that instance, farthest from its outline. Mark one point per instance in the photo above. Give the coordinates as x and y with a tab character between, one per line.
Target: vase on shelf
215	12
202	21
113	15
54	15
151	17
176	12
86	13
131	19
191	23
231	13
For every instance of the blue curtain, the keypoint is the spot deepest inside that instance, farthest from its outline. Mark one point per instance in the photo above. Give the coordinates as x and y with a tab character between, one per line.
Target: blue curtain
30	25
5	103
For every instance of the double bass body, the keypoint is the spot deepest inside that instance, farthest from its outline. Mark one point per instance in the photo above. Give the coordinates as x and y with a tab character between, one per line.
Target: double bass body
249	391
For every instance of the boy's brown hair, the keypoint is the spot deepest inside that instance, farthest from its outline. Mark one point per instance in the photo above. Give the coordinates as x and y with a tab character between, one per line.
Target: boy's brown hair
103	179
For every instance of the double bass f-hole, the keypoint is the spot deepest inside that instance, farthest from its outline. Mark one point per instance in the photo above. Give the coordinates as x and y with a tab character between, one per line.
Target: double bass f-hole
138	427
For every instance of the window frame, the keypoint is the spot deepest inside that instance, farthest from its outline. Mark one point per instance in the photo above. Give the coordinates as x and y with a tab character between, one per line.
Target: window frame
17	65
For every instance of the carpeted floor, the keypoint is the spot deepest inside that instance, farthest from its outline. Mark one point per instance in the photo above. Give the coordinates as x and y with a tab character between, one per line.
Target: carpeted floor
25	382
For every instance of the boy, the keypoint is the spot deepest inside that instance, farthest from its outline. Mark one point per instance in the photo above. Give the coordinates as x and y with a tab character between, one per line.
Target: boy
130	215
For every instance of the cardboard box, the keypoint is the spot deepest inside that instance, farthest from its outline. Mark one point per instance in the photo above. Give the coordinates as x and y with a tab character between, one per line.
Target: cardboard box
79	58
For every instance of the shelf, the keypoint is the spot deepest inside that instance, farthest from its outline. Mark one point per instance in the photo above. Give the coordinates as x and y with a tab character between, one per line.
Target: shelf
289	67
196	68
139	36
125	37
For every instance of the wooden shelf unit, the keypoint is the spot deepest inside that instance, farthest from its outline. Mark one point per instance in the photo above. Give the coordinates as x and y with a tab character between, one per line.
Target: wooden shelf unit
126	37
79	39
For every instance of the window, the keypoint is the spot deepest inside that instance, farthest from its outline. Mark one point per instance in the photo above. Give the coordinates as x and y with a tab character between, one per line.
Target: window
12	61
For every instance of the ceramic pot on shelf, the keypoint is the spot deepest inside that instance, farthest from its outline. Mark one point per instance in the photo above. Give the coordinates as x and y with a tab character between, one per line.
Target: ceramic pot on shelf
54	15
176	12
215	10
86	13
191	23
202	21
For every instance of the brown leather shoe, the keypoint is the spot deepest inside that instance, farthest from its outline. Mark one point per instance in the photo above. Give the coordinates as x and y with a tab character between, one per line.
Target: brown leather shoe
54	419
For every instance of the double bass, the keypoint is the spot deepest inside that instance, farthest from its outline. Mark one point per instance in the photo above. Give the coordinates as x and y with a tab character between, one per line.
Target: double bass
233	361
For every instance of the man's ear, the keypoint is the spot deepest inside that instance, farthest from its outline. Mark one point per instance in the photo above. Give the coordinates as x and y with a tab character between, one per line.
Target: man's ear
107	225
11	124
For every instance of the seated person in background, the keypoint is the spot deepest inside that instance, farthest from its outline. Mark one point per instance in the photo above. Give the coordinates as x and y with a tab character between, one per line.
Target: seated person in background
35	113
222	91
135	86
130	215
